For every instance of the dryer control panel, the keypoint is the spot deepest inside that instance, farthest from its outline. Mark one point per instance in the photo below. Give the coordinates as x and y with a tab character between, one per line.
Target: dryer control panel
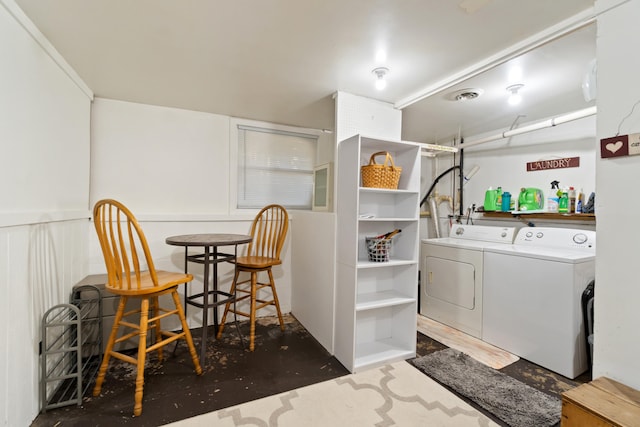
482	233
566	238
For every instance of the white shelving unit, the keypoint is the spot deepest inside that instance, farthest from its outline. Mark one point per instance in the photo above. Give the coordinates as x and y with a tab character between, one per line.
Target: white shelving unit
376	301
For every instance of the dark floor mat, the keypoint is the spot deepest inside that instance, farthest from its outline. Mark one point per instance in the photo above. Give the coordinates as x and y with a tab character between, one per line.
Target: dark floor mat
281	361
514	402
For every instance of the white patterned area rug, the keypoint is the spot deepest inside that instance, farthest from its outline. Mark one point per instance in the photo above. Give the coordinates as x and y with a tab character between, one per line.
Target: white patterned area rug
392	395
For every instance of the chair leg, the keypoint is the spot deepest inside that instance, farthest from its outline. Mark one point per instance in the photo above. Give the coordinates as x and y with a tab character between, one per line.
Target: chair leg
158	328
142	354
107	353
187	332
232	291
252	312
272	284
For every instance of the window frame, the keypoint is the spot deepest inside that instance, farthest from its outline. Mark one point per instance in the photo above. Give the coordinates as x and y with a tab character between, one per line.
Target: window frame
234	127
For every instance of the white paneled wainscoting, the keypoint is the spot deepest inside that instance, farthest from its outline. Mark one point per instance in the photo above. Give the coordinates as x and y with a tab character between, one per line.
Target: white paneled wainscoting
39	264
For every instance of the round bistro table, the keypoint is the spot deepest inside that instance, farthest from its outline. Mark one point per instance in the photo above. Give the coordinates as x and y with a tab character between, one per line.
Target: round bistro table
210	242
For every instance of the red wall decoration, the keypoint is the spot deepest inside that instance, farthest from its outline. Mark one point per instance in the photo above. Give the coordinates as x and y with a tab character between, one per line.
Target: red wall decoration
540	165
620	146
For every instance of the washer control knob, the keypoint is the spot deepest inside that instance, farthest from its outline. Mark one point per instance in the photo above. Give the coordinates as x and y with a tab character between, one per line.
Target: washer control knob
529	234
459	231
580	238
539	235
503	234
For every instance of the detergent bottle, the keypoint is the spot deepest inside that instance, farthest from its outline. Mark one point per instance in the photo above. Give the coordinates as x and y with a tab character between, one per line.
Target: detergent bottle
579	201
572	200
506	202
563	202
490	200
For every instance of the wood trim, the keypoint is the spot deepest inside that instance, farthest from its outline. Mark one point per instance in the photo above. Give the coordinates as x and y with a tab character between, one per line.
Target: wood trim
17	219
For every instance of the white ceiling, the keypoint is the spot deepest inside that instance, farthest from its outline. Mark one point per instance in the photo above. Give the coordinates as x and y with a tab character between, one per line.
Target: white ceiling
282	60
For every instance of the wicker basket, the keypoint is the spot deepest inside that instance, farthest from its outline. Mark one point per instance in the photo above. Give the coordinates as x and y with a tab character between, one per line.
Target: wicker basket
386	175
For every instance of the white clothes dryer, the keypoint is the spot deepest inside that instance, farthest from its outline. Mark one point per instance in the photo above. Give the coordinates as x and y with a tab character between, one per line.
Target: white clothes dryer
451	276
532	296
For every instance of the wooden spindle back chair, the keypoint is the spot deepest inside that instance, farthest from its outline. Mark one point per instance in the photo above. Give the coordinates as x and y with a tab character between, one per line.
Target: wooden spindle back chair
131	274
269	231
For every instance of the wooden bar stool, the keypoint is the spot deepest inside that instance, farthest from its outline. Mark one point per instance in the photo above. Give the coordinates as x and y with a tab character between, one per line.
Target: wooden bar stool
269	230
125	251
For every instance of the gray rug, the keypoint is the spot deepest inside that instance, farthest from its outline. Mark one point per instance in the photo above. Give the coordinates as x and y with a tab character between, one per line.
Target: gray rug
512	401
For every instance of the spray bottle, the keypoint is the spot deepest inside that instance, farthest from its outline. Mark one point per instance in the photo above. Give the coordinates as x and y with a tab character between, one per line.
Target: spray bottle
552	200
563	202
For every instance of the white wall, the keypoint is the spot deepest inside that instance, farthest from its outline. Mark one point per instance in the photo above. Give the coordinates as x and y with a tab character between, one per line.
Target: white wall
166	160
365	116
503	164
44	165
313	265
172	168
314	235
617	290
617	271
45	234
506	167
44	170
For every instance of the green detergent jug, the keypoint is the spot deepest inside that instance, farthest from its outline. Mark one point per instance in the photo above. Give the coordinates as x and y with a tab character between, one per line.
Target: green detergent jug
491	200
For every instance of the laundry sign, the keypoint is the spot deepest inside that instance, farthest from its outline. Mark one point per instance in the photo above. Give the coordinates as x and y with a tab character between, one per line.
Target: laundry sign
619	146
541	165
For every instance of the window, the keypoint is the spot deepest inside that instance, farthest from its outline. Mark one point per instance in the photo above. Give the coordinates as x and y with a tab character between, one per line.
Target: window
322	187
275	165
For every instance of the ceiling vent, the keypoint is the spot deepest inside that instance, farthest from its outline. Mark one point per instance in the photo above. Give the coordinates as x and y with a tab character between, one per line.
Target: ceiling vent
466	94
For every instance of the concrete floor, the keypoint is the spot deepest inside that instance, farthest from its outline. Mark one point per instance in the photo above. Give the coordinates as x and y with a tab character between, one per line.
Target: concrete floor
282	361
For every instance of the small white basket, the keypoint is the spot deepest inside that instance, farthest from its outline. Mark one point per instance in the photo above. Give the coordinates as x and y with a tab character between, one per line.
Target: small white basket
378	249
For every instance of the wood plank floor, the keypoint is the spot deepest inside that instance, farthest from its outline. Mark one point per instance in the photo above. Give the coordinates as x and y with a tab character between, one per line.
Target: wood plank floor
478	349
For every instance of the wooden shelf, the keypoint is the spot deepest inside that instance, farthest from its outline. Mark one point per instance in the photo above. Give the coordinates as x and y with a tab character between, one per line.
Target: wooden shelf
542	215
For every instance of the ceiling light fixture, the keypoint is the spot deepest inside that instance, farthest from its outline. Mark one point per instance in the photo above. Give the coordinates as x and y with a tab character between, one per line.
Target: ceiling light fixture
381	56
380	73
515	74
515	98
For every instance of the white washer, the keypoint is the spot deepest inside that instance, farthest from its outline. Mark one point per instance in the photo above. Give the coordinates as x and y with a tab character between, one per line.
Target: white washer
532	296
451	278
